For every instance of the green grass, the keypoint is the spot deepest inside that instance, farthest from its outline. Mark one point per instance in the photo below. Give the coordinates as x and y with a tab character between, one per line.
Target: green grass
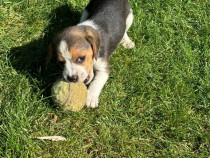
155	103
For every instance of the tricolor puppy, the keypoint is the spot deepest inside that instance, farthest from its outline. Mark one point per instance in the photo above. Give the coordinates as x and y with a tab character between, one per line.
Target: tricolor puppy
85	48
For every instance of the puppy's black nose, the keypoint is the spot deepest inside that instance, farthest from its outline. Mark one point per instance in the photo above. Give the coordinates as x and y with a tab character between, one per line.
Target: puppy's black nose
73	78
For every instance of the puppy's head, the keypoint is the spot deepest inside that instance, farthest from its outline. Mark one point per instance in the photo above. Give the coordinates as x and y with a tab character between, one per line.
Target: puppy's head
76	47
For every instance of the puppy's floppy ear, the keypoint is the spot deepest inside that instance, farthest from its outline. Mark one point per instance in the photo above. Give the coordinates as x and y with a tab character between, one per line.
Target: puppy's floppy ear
49	54
94	38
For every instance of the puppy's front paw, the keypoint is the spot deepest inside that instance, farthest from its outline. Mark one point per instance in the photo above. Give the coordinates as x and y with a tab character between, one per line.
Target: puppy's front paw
92	101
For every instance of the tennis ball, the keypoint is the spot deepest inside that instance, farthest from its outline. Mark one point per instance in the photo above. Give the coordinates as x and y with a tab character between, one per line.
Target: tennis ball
69	96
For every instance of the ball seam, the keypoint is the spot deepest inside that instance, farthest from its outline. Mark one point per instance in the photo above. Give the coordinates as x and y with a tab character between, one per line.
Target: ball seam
67	98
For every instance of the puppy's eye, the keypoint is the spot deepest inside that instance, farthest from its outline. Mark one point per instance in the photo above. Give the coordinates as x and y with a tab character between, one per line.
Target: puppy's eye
80	59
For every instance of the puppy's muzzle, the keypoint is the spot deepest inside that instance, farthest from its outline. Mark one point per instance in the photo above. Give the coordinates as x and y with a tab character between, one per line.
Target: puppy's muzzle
73	78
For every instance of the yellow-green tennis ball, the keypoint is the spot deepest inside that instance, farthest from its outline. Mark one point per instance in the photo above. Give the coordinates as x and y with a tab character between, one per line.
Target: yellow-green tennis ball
69	96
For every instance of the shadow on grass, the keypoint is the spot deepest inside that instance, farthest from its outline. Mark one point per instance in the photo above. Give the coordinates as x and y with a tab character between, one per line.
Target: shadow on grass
30	58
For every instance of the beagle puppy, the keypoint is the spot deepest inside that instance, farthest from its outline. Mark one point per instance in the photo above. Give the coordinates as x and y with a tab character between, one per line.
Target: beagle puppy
85	49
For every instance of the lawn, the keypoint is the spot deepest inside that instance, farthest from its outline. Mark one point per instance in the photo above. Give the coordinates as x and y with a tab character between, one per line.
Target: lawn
155	103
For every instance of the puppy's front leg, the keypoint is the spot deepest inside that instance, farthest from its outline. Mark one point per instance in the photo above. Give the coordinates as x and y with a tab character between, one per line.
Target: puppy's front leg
94	89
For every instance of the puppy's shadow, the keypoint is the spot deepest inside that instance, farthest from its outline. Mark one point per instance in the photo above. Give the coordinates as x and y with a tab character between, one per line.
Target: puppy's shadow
30	59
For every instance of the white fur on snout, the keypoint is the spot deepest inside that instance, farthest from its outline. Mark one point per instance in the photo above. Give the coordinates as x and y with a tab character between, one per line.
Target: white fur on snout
71	69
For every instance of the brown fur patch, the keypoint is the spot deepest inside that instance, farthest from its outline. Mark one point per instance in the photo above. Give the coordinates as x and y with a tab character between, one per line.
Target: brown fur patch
75	31
89	34
60	58
94	37
88	53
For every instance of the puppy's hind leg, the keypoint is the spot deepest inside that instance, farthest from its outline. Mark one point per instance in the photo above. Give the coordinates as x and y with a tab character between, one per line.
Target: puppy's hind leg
126	42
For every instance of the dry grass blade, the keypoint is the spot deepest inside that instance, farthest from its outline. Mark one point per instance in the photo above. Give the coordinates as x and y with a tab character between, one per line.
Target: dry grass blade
52	138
